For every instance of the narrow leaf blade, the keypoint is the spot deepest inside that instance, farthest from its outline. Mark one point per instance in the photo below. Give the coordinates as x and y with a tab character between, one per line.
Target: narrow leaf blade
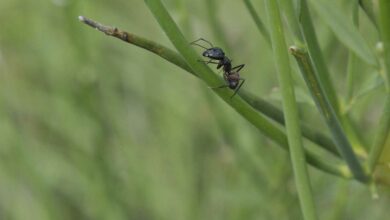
344	29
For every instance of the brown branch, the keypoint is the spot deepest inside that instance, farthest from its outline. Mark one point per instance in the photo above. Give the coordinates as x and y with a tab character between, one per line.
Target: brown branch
111	31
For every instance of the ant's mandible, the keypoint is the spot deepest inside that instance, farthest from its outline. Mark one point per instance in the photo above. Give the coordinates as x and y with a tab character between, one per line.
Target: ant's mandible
231	77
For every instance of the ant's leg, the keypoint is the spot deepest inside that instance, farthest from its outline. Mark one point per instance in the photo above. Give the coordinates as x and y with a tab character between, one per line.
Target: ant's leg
219	87
238	88
199	45
207	61
239	67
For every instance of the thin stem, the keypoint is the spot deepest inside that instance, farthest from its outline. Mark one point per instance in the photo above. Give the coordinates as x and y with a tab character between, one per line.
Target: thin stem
290	111
204	72
276	114
384	18
351	75
260	104
259	24
307	38
313	47
352	59
158	49
323	73
173	57
291	18
382	134
327	111
368	8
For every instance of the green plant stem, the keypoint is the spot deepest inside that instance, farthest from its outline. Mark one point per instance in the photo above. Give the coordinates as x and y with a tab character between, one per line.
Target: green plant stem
204	72
259	24
352	59
290	111
173	57
344	30
313	47
260	104
382	134
368	8
291	18
384	18
351	75
277	115
327	111
323	73
158	49
304	36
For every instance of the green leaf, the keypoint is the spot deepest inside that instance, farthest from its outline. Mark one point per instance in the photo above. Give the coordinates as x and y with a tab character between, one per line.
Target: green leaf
373	82
344	29
369	87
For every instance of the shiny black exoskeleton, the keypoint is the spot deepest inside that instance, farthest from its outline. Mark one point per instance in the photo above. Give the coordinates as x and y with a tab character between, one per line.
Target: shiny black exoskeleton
216	53
231	77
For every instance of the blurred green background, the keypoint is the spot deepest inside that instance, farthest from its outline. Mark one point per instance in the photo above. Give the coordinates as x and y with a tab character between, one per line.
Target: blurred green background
93	128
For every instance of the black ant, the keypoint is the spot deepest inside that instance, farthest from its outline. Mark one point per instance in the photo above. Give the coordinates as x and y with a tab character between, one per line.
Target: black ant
231	77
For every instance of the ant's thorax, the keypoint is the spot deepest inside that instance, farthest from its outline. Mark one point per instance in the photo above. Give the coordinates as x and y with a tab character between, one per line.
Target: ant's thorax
226	63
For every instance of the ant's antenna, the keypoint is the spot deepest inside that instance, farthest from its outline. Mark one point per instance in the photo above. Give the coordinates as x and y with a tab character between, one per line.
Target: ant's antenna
204	40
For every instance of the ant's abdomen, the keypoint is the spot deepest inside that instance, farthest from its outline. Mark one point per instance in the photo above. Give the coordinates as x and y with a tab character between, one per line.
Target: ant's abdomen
233	84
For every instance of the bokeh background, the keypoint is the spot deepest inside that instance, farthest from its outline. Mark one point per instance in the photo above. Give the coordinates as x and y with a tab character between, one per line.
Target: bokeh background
93	128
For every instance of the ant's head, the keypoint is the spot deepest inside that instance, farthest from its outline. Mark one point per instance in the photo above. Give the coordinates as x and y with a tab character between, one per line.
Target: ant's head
214	53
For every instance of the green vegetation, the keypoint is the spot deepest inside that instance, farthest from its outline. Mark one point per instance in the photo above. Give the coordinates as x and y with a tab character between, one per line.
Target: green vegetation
95	128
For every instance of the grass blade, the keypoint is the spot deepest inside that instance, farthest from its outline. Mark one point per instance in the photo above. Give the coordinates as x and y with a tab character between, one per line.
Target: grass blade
368	8
384	125
382	134
384	18
259	24
352	59
344	29
323	73
290	111
327	111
